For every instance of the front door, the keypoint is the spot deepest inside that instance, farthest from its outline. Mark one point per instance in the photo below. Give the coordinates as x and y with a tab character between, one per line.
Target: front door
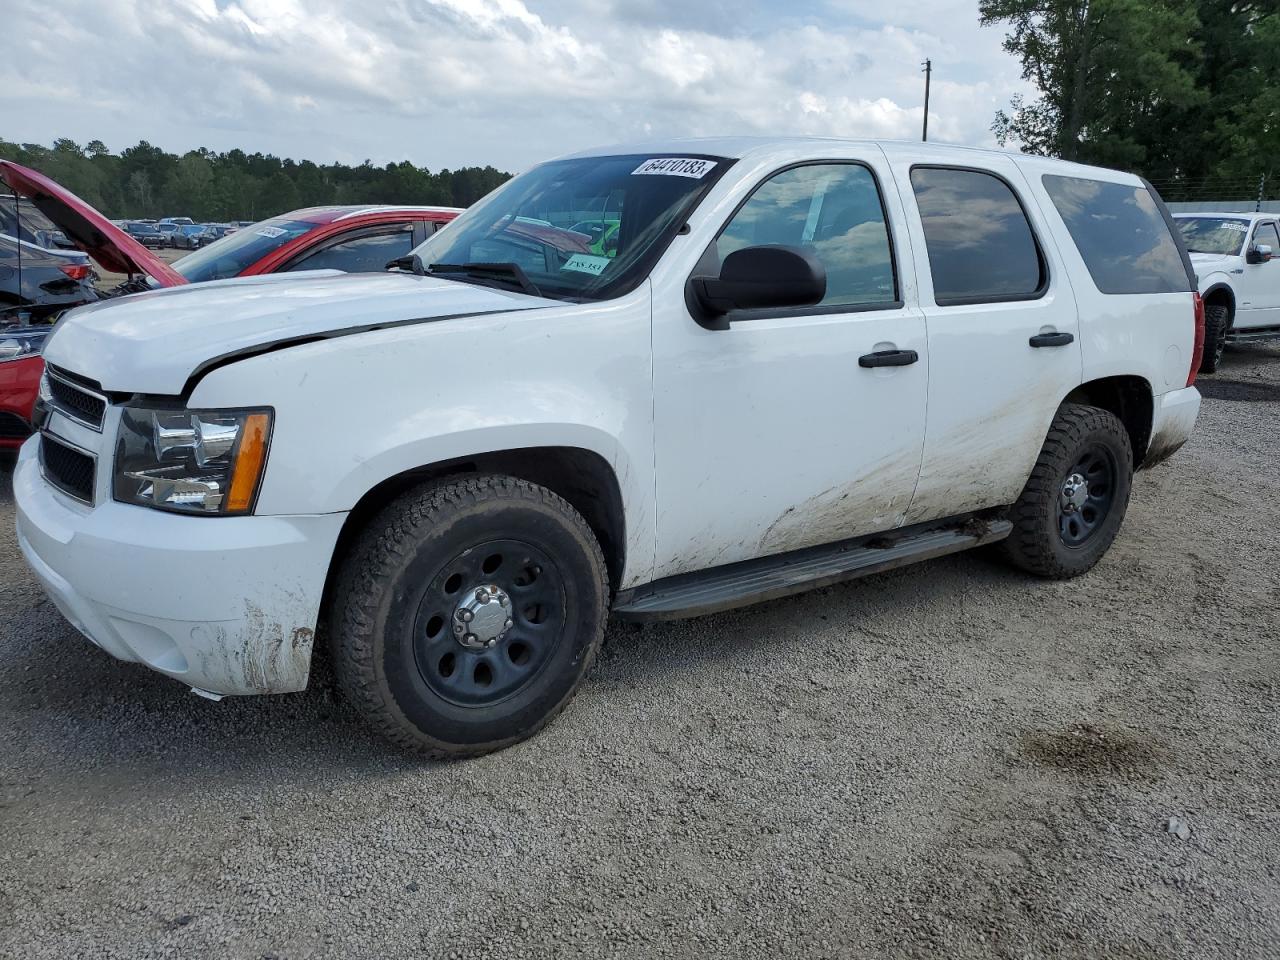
771	435
1258	288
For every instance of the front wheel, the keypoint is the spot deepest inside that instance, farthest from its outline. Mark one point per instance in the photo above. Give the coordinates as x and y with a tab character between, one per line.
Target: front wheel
468	614
1072	506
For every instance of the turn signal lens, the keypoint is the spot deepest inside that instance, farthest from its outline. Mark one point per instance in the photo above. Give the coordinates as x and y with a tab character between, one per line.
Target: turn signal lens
249	463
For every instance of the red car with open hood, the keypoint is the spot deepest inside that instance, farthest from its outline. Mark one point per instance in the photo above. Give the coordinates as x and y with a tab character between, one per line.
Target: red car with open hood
354	239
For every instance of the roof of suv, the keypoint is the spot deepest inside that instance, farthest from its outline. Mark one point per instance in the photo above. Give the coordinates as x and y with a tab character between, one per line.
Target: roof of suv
787	148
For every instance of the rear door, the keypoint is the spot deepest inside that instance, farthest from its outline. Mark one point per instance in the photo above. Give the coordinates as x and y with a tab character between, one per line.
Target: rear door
1003	330
771	435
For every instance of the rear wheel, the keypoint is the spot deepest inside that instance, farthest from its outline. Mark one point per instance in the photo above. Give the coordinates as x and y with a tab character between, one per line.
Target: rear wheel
1217	321
468	614
1075	500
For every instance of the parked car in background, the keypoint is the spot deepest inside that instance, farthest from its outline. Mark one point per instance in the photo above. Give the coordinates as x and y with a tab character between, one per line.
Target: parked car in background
178	221
210	233
1237	261
168	230
805	361
352	239
145	233
187	236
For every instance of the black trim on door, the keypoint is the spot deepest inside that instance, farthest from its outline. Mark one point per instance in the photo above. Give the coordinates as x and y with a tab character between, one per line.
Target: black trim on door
1046	275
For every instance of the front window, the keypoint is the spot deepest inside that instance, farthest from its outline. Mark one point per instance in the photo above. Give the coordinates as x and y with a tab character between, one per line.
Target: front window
1218	235
237	251
579	230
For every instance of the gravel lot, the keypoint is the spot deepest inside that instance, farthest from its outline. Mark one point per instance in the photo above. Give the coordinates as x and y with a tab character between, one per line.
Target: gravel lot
947	760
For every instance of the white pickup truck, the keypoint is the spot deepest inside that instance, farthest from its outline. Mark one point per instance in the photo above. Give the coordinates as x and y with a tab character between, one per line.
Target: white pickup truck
794	362
1235	256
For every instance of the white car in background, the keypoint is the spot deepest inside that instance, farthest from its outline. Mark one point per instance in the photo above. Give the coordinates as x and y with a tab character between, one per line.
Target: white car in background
804	361
1237	262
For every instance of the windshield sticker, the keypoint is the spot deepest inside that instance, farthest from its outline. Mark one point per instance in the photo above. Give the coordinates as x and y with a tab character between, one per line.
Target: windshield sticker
270	232
586	263
1237	227
676	167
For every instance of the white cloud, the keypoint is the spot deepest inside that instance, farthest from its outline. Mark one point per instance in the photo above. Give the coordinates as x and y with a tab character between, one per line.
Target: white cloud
507	82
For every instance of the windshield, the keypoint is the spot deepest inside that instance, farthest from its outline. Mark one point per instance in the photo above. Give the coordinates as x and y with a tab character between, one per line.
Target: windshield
236	251
538	222
1213	234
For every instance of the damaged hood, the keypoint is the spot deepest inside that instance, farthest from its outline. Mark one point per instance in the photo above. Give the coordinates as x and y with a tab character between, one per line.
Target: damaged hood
109	246
154	342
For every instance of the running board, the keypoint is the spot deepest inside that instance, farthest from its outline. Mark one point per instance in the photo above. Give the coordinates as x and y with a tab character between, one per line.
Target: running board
767	578
1257	335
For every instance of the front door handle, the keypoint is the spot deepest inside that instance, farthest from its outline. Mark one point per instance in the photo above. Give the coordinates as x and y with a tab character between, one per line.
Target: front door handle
888	358
1051	339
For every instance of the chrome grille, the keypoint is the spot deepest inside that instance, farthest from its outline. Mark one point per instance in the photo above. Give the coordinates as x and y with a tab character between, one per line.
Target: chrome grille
69	469
74	397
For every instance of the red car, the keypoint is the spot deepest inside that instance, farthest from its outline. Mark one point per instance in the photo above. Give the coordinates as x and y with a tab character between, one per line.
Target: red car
356	239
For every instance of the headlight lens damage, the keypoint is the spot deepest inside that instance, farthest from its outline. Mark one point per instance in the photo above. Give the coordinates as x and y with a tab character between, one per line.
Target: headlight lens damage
191	461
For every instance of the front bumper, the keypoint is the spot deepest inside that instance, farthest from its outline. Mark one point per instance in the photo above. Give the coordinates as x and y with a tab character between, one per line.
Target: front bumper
19	385
227	605
1172	423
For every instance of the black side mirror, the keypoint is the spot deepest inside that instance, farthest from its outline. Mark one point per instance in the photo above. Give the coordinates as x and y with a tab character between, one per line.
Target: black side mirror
409	263
1262	253
765	276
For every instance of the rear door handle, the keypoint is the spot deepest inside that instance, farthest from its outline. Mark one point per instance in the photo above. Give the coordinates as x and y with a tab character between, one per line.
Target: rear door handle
1051	339
888	358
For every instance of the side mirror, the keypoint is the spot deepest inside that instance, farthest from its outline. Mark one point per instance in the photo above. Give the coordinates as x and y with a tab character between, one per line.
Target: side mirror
1262	253
765	276
409	263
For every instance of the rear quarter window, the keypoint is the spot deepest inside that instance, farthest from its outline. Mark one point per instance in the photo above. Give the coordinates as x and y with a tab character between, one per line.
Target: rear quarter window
1121	234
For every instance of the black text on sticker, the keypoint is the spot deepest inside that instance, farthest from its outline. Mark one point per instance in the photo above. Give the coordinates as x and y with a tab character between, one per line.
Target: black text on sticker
676	167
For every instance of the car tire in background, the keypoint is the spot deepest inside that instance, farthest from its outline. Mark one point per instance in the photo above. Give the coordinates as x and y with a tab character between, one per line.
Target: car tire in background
1075	500
1217	322
467	614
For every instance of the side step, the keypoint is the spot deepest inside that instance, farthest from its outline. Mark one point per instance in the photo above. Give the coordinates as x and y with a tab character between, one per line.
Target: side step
767	578
1256	335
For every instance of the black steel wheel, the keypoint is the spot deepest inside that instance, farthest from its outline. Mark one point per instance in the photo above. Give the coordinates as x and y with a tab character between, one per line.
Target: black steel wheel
468	614
1075	499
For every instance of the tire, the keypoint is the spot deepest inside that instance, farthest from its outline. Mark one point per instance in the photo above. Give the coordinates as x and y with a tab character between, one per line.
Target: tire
402	653
1217	321
1053	538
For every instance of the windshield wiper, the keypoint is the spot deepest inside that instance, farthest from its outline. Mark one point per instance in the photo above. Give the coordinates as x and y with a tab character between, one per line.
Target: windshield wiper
501	274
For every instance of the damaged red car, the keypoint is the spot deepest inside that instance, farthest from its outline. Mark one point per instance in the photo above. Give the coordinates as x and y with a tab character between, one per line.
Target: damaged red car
353	239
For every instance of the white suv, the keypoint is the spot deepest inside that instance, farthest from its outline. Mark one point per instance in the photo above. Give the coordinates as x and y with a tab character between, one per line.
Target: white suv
805	361
1238	275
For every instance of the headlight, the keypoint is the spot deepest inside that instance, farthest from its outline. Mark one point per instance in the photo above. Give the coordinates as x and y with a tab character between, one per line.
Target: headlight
16	345
191	461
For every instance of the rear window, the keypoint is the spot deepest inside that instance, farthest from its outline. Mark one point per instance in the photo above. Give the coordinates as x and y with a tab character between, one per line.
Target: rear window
1121	234
981	247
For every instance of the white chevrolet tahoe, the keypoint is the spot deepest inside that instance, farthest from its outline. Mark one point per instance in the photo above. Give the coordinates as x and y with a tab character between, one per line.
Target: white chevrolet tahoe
796	362
1235	256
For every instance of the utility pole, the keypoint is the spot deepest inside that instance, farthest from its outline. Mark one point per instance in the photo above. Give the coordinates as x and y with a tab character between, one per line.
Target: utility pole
928	75
1262	191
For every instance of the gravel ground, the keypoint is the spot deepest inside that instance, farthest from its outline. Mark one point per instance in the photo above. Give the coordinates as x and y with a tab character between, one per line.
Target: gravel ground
947	760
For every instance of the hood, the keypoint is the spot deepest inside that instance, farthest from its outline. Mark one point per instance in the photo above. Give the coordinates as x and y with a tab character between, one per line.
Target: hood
1213	259
154	342
84	226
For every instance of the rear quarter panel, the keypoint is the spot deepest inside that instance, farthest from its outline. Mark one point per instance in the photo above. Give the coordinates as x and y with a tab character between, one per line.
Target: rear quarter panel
1145	335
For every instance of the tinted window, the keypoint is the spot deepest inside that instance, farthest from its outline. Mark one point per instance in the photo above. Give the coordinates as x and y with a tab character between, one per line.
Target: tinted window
367	254
834	210
1267	234
980	245
1121	234
1212	234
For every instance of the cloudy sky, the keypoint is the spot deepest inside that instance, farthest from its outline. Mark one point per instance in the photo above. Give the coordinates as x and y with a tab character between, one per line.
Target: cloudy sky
508	82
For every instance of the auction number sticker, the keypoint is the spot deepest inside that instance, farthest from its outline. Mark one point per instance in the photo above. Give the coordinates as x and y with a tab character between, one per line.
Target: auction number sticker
1237	227
269	232
587	263
676	167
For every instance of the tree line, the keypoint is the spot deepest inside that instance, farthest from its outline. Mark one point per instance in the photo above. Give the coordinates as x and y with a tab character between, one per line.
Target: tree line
146	181
1186	92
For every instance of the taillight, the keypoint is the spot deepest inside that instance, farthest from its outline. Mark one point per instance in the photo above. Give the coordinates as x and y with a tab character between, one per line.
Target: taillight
76	271
1197	349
